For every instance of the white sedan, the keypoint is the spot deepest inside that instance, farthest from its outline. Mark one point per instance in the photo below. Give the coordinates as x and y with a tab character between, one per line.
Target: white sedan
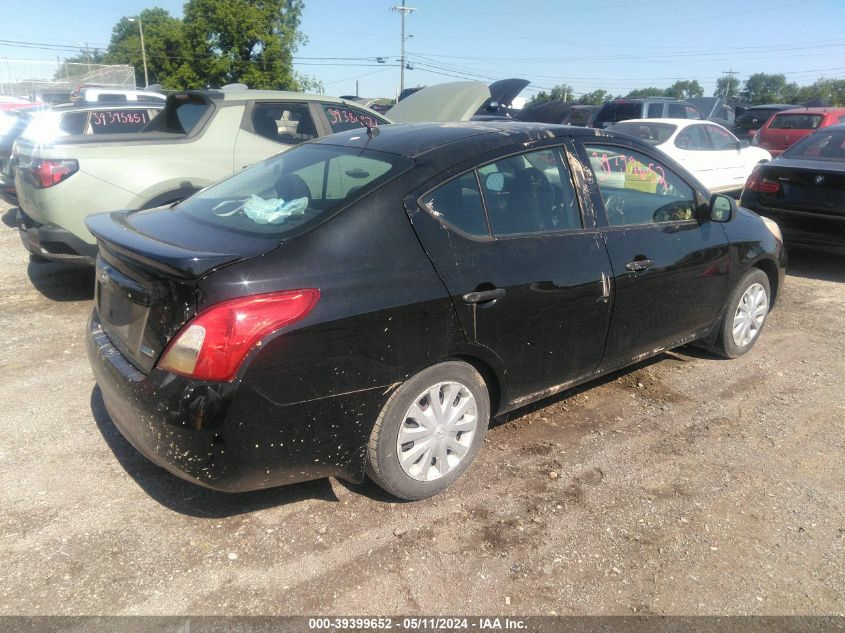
715	156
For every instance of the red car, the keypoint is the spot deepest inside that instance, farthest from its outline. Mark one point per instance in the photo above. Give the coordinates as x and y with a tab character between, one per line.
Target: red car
789	126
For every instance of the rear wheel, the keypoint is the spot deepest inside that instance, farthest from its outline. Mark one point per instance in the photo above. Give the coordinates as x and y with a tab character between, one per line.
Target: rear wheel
747	309
429	431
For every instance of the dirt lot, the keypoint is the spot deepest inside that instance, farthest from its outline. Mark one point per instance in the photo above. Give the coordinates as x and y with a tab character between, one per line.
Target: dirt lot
688	485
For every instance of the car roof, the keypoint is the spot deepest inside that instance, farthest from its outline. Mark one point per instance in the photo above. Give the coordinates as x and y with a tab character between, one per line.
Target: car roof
415	139
251	94
773	106
817	110
678	122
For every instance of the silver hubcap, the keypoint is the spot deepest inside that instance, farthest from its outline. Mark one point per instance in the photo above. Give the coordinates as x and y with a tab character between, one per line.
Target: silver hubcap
437	431
750	314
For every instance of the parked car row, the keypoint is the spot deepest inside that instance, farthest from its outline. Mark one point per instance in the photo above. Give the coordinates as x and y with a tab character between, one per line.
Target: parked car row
356	296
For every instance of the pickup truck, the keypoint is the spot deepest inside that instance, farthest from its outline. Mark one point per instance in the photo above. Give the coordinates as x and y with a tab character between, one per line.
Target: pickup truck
198	138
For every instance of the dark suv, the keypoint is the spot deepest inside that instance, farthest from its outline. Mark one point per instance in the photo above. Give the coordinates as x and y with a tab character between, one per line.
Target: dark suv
747	125
650	108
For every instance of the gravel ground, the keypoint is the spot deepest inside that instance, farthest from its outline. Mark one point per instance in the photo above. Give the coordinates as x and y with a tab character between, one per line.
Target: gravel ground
686	485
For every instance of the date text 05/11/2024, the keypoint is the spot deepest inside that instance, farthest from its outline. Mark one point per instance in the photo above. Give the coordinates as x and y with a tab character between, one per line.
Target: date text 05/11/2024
432	623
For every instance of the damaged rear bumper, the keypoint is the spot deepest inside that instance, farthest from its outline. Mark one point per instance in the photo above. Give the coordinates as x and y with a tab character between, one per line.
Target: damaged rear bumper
226	436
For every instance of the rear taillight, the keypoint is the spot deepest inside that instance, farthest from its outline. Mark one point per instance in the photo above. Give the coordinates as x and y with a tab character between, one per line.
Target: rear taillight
213	344
51	172
757	183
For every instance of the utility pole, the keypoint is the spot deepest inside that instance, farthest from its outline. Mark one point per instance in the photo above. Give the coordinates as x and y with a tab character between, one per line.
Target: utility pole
403	10
730	74
143	49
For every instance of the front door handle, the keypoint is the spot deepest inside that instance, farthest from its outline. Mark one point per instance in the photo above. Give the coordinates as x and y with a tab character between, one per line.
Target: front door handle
483	296
638	264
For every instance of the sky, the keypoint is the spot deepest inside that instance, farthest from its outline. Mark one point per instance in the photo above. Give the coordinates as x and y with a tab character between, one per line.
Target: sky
615	45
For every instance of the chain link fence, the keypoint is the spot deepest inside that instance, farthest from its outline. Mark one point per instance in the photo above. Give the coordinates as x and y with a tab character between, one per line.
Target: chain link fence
32	78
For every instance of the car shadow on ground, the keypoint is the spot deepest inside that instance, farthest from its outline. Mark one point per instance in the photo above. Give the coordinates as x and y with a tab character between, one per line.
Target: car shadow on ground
191	499
810	264
62	282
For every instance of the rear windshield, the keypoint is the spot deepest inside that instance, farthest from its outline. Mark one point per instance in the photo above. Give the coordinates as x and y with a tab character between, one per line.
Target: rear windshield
753	119
822	145
654	133
294	190
619	111
796	122
116	121
180	115
580	117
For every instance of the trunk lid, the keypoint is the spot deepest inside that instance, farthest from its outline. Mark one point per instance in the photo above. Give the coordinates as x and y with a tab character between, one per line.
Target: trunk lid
814	186
146	280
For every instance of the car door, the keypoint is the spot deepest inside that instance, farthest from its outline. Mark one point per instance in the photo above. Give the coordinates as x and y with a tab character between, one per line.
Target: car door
733	159
694	150
270	127
527	271
670	263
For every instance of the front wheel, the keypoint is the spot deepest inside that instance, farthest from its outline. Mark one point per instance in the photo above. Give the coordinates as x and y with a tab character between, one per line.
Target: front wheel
747	309
429	431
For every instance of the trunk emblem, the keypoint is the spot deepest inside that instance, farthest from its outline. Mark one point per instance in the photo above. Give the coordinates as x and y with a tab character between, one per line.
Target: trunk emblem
819	180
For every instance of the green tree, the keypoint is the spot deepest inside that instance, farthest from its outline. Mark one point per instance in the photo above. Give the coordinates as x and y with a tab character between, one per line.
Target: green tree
642	93
562	92
596	97
164	42
727	87
765	88
244	41
684	89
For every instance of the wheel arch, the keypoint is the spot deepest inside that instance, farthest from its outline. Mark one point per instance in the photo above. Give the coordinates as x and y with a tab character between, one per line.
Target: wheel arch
494	382
771	270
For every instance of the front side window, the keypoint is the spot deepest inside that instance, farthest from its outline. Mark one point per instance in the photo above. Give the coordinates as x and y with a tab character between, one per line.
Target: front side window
721	138
292	190
458	203
636	189
530	193
288	123
693	138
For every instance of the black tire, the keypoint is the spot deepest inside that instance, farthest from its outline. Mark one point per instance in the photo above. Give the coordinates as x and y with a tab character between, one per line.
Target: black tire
383	465
725	345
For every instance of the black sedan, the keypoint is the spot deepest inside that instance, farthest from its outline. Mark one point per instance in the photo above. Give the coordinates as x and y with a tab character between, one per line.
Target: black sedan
803	189
363	304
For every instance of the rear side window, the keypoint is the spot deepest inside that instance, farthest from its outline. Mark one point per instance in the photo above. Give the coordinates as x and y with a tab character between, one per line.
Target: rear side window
288	123
796	122
619	111
637	190
691	112
655	111
530	193
294	190
342	118
677	111
654	133
458	203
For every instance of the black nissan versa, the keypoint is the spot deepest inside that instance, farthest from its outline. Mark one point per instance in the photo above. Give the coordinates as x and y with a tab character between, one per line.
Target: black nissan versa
365	303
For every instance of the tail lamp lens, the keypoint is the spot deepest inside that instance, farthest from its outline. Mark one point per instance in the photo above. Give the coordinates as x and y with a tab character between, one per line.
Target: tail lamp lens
51	172
213	345
757	183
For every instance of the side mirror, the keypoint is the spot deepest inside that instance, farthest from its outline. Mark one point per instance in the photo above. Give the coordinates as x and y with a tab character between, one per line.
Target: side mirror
493	106
722	208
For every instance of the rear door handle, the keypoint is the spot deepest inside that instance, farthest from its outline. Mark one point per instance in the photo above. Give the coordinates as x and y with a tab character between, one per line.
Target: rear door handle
639	264
483	296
